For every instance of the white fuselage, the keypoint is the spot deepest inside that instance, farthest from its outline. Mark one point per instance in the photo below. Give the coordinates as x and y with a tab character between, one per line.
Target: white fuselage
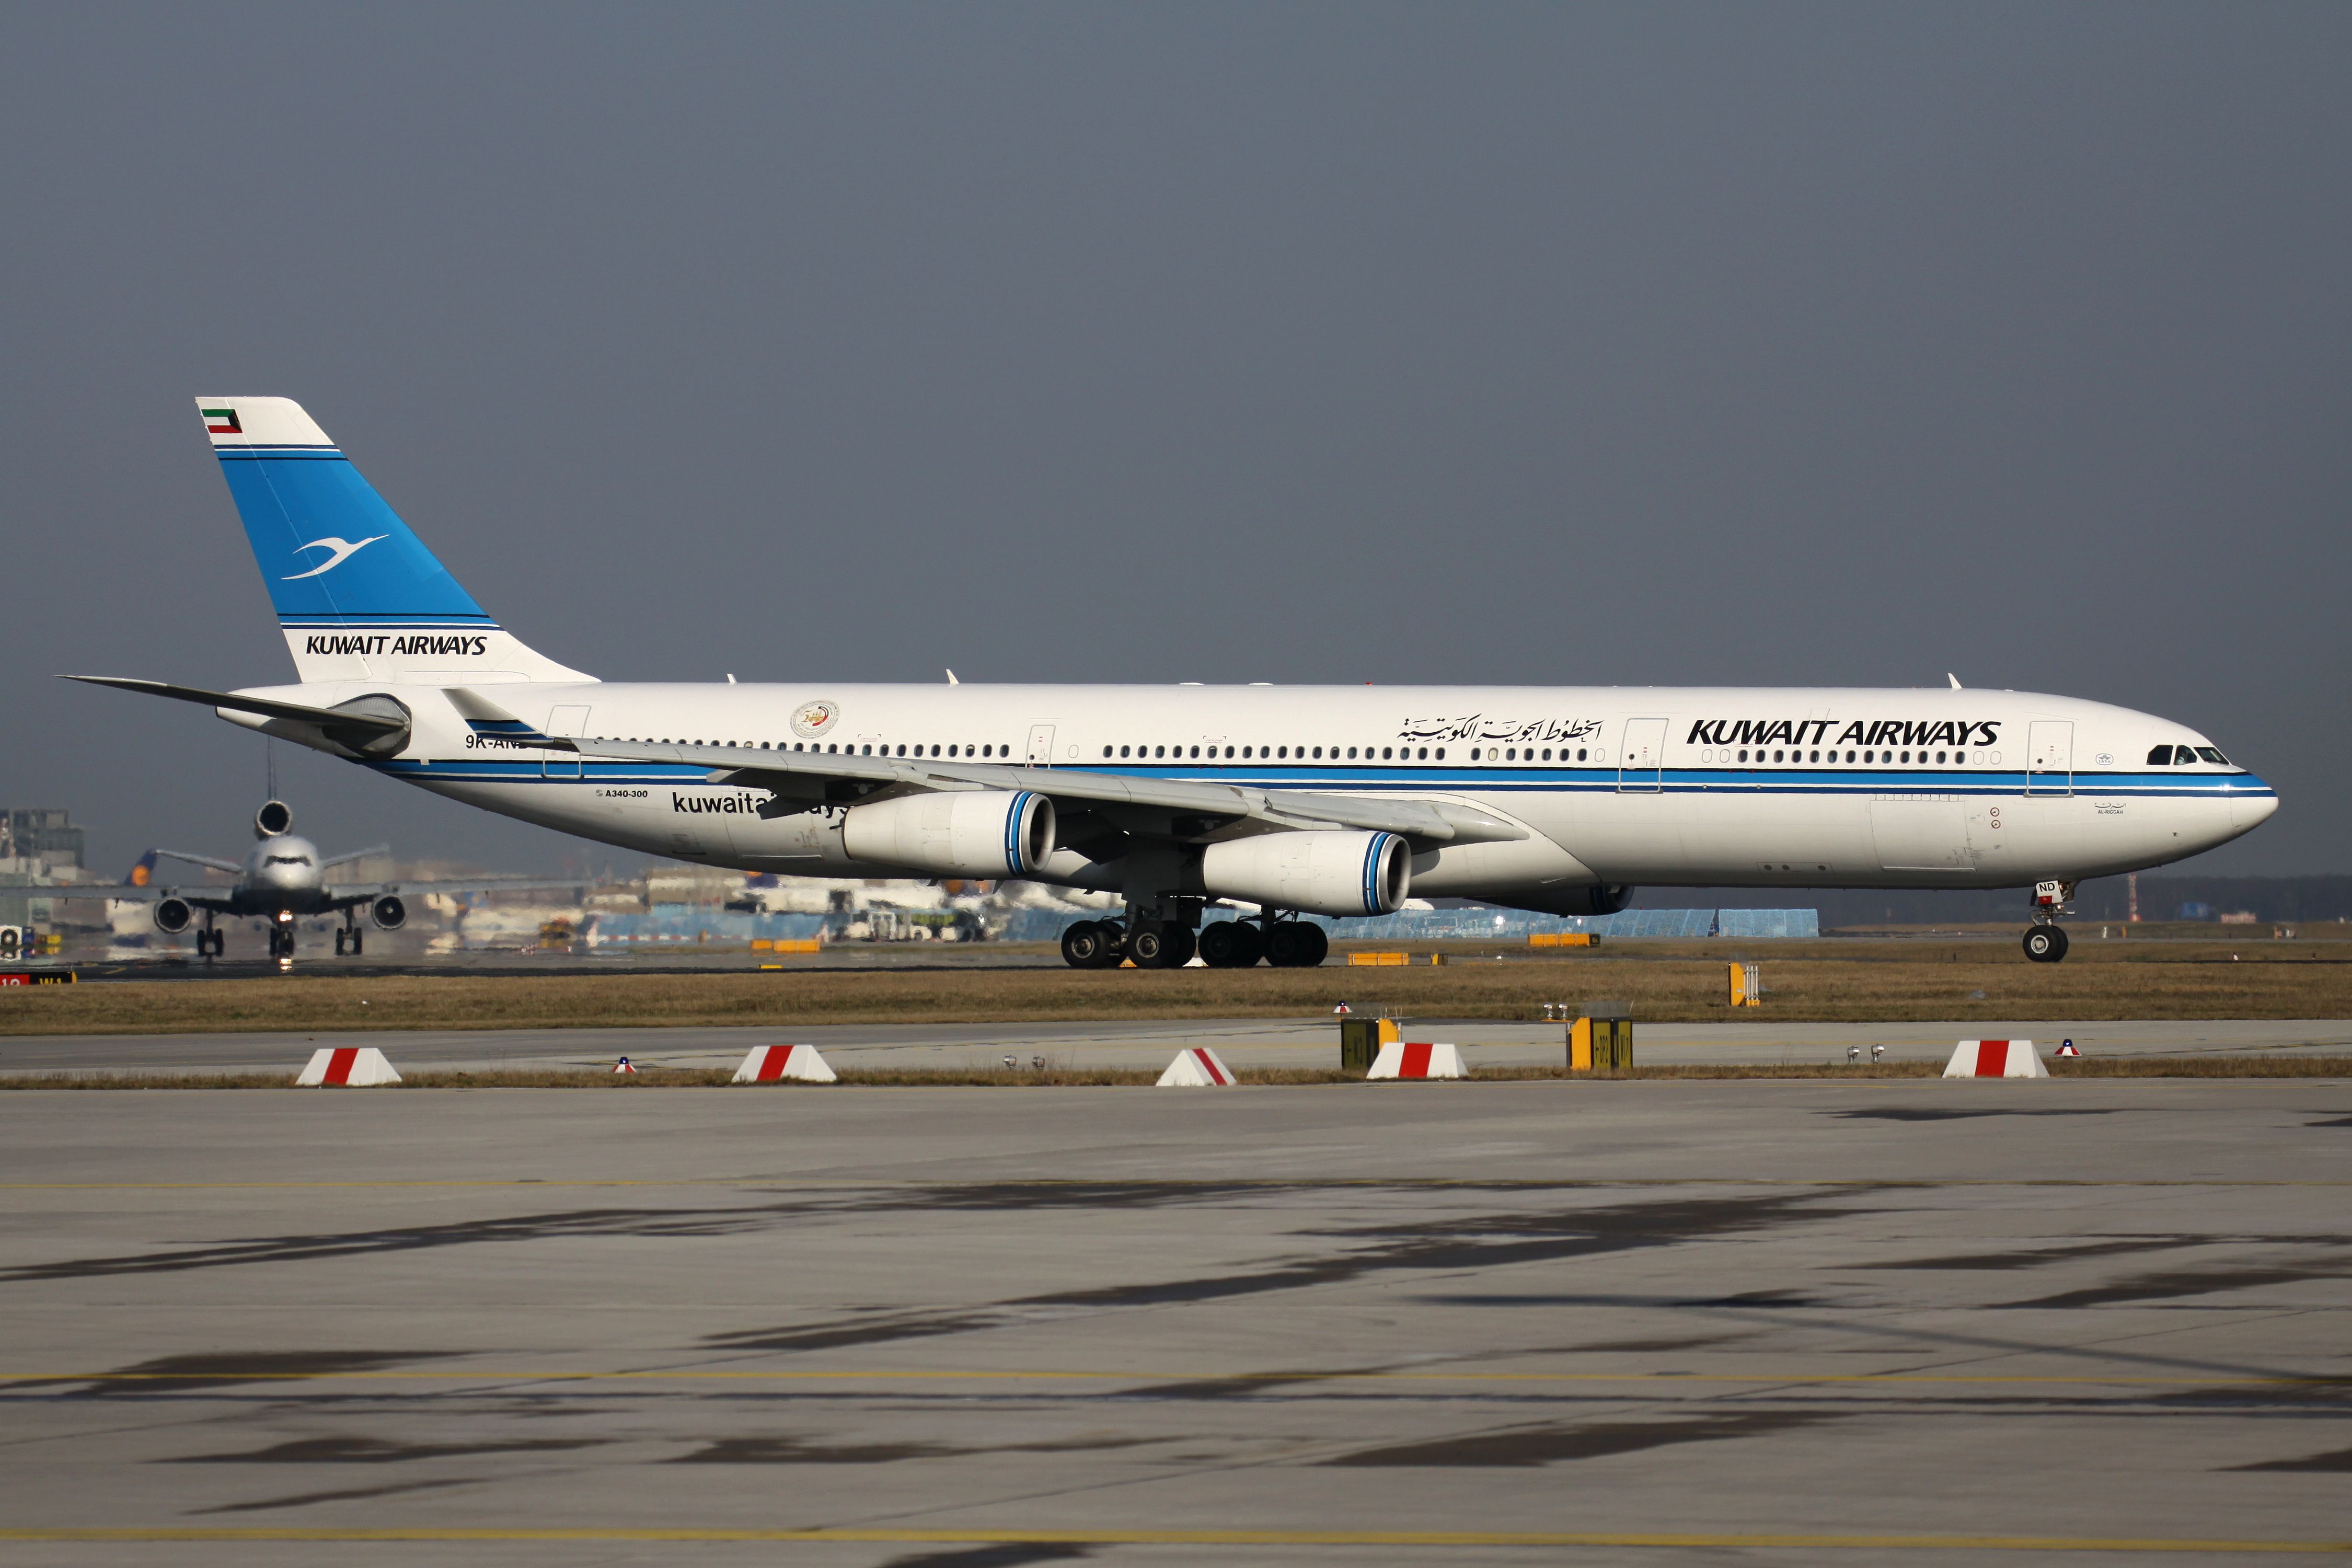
1692	787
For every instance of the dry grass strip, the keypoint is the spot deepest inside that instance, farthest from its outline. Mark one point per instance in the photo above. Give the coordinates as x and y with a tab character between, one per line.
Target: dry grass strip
1808	982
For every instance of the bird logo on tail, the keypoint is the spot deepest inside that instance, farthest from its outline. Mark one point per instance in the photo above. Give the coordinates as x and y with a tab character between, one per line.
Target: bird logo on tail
343	551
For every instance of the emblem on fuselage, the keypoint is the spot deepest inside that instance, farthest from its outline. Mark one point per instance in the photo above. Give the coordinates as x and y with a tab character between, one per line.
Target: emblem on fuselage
814	721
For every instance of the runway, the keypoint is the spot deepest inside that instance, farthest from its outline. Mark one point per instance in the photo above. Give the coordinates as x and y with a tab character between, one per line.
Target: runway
1763	1322
1244	1042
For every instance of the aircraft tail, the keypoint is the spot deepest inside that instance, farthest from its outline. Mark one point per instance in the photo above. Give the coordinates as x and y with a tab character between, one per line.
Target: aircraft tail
359	596
141	873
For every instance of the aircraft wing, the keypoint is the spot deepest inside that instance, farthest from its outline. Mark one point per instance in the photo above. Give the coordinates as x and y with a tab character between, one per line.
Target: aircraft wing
1173	808
231	866
356	892
207	898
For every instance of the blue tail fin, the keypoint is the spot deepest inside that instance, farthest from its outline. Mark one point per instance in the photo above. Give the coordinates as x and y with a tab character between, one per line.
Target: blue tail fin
359	596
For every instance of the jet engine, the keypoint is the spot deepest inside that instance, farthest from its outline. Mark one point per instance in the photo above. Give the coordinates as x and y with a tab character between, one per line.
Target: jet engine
173	915
273	818
1609	898
960	833
388	913
1320	873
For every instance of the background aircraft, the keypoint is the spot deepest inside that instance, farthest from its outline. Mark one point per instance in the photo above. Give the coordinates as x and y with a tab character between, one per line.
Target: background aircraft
283	879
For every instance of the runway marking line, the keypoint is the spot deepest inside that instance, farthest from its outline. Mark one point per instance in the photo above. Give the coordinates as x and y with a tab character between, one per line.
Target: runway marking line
949	1374
1262	1537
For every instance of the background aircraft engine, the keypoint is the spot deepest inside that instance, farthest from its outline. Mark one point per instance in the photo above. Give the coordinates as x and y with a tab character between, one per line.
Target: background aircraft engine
273	818
1320	873
388	913
960	833
173	915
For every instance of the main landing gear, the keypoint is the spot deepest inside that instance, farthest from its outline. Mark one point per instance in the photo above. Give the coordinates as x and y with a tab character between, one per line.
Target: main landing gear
2046	941
208	940
349	936
1155	944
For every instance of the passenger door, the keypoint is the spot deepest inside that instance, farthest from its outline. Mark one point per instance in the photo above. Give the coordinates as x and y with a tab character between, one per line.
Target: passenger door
2050	757
570	723
1640	761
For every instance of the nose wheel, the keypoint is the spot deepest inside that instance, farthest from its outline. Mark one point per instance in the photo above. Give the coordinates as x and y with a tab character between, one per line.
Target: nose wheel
2045	945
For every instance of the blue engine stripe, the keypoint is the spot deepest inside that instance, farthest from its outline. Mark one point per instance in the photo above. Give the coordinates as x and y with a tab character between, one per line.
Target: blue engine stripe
1013	866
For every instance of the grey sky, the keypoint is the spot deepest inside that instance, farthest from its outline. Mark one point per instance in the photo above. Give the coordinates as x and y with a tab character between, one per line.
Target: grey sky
1643	345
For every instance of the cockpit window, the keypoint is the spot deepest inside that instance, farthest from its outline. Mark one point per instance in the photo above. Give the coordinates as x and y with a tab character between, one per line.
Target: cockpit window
290	860
2162	757
2211	755
2184	755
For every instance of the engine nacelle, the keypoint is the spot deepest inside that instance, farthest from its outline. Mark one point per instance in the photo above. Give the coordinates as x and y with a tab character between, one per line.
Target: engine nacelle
388	913
173	915
1610	897
273	818
1319	873
958	833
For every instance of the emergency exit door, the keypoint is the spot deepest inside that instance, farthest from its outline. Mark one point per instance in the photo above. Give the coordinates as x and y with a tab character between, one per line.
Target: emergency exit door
1041	745
2050	757
1641	763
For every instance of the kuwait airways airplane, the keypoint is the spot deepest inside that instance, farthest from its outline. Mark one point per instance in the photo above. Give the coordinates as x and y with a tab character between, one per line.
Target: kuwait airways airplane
1337	801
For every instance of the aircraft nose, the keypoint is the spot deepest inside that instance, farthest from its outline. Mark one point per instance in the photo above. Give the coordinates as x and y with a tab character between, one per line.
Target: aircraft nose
2250	810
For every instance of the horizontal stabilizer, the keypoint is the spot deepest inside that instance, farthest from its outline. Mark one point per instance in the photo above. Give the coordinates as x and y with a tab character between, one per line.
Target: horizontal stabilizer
484	717
375	725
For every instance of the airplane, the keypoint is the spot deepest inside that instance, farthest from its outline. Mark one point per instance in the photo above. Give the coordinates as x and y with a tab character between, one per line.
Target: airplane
282	880
1337	801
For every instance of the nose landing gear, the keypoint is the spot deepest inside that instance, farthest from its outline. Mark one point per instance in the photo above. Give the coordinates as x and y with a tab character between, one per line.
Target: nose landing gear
2046	941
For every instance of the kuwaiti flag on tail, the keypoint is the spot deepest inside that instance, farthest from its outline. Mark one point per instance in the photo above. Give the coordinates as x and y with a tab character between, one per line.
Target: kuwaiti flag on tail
221	422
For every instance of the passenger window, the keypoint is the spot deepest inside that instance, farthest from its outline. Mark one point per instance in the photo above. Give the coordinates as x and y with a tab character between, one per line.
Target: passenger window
1440	753
1849	756
1122	750
1351	754
1229	751
1743	753
1424	754
1282	752
2211	755
1959	757
1387	752
1579	754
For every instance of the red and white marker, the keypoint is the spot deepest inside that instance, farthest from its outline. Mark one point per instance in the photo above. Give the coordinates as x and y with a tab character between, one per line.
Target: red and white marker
2068	1050
766	1064
1404	1058
1995	1058
1196	1067
346	1066
625	1066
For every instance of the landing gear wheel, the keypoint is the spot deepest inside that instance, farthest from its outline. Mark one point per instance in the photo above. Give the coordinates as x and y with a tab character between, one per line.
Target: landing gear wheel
339	935
1295	944
1154	944
2045	945
1089	944
1231	944
359	940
